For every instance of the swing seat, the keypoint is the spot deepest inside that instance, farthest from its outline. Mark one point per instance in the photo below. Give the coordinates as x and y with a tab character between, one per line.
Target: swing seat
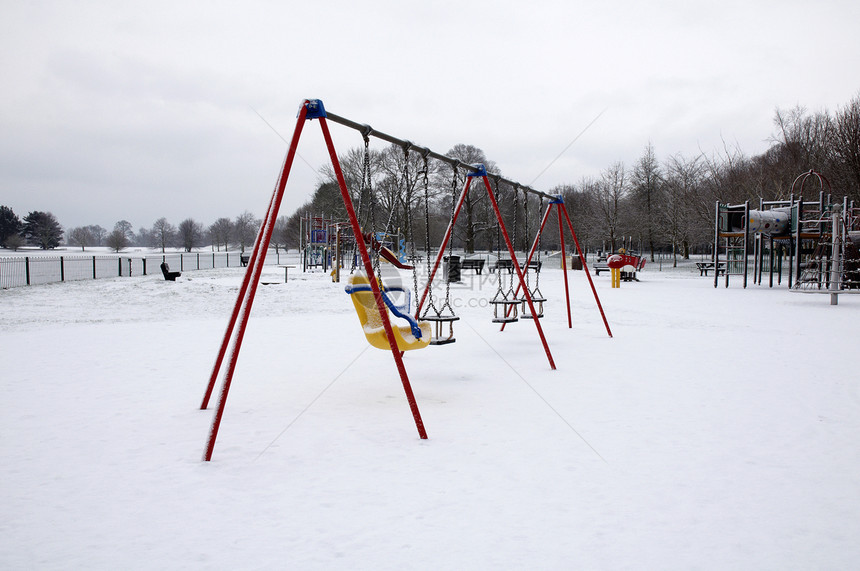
505	305
537	300
538	303
440	320
415	335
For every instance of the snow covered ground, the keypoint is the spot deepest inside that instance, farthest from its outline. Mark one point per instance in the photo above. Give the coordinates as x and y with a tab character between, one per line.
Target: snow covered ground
718	429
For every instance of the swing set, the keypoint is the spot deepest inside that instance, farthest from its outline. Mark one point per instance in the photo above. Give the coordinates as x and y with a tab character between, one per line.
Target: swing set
373	299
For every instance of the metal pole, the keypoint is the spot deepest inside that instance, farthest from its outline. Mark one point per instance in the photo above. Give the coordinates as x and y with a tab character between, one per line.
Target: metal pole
564	268
746	239
374	283
836	263
798	243
237	307
371	132
518	270
262	244
585	267
717	247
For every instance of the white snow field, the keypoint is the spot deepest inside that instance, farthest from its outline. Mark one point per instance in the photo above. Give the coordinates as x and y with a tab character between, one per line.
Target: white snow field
718	429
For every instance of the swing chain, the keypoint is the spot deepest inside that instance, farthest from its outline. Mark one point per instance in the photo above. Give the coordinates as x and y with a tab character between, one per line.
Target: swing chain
431	304
540	235
454	184
411	229
500	294
514	240
364	188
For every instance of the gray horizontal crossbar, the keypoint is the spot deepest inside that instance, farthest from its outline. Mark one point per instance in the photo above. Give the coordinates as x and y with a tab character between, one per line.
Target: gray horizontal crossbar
369	131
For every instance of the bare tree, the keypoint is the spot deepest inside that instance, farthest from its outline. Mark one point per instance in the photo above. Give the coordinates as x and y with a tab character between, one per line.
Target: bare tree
475	220
611	193
163	233
220	232
190	234
580	200
117	240
127	230
646	189
847	142
682	182
98	233
280	233
81	236
245	230
805	139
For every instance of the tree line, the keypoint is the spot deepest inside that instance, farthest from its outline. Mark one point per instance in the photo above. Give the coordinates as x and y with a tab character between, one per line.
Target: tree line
652	205
43	230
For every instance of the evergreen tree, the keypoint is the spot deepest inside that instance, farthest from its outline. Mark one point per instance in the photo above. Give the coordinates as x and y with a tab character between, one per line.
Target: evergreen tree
10	224
42	229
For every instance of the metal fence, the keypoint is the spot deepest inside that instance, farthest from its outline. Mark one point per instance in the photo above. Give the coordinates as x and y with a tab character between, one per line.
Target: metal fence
16	271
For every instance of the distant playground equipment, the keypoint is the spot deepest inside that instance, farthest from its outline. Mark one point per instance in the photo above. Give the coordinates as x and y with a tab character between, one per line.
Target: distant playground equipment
623	263
817	240
322	243
622	266
375	301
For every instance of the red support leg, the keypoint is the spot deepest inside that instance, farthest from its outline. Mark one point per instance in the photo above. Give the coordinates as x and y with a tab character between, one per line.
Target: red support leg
585	267
225	343
518	270
564	268
529	258
374	284
261	247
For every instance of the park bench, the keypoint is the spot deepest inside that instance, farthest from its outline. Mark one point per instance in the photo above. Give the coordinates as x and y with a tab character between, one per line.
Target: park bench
244	258
509	266
168	275
476	264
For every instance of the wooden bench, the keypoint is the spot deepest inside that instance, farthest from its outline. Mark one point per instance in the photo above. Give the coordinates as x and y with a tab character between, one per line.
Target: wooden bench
168	275
476	264
705	267
244	258
509	266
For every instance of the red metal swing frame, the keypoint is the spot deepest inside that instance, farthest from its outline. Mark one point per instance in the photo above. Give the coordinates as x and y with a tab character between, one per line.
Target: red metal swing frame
234	335
561	209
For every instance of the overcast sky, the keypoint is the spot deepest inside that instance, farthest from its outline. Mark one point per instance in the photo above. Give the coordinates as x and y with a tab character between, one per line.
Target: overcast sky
137	110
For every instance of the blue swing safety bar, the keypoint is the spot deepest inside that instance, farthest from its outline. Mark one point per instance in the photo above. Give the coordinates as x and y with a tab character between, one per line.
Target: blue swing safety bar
401	311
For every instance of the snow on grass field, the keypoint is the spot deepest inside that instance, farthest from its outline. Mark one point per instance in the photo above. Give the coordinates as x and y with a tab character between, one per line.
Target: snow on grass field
718	429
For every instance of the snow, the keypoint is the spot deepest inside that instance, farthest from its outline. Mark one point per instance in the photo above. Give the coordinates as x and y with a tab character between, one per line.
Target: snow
717	429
